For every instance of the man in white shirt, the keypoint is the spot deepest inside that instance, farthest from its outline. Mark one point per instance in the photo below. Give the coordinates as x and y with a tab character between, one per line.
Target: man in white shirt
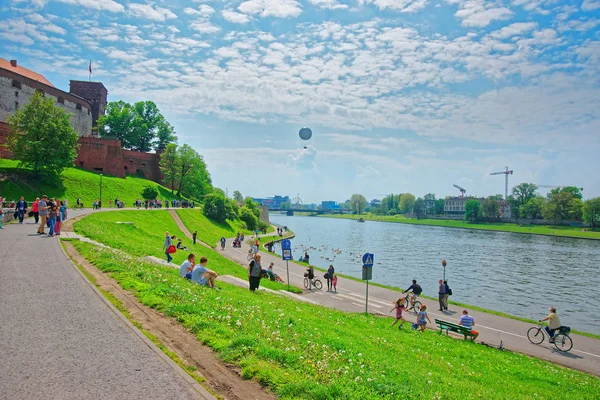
185	271
553	323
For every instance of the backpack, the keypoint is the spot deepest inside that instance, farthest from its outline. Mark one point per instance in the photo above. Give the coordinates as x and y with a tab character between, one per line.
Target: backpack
417	289
449	292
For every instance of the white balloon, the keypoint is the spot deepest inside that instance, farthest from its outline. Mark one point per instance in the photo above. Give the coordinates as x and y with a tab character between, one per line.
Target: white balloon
305	133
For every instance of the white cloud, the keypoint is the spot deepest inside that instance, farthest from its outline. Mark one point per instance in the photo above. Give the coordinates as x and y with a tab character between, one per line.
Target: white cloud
271	8
406	6
235	17
479	13
328	4
45	24
203	9
204	27
150	12
515	29
102	5
590	5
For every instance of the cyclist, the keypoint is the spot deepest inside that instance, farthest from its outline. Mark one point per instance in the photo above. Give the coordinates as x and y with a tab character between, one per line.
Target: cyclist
416	291
553	323
310	275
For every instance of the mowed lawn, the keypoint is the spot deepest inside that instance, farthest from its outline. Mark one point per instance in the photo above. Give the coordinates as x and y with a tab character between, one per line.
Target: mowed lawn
303	351
77	183
145	237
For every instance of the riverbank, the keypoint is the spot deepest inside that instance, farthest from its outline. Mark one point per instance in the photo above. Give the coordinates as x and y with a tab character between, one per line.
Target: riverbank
546	230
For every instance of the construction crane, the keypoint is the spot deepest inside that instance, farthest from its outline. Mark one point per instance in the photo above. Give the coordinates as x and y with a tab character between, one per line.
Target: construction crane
462	191
506	173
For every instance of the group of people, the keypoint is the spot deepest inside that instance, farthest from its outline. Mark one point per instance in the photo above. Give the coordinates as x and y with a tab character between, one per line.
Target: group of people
198	273
256	272
51	213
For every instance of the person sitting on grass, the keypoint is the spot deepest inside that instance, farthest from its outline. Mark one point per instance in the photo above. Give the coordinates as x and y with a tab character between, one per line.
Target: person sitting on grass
202	275
272	275
185	271
180	245
399	307
468	322
422	318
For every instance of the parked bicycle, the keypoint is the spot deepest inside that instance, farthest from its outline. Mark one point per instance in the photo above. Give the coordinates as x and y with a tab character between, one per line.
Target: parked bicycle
316	283
415	307
561	340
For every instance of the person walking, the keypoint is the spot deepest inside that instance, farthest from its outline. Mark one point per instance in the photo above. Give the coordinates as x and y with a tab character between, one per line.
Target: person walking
59	218
310	274
223	241
422	318
52	215
43	210
254	271
448	293
399	307
334	282
21	209
63	210
194	236
330	273
1	214
35	210
167	245
441	294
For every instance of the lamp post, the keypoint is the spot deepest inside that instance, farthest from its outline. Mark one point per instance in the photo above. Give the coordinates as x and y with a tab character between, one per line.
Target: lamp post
444	267
100	205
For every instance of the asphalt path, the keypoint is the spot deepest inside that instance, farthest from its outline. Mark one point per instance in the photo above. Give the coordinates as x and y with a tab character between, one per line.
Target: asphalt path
493	329
60	340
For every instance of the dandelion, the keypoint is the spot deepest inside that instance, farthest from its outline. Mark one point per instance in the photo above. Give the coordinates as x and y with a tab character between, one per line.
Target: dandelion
360	354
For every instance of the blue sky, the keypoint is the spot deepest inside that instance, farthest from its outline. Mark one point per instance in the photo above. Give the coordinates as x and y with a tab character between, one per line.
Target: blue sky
401	95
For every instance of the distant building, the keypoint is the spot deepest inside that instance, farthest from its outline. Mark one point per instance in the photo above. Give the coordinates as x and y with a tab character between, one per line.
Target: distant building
272	202
329	206
456	205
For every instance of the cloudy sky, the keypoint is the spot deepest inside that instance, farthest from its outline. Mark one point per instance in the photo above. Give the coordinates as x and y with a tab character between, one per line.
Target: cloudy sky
401	95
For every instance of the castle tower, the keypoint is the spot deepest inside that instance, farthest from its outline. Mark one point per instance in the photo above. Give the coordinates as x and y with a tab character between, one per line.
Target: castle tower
95	93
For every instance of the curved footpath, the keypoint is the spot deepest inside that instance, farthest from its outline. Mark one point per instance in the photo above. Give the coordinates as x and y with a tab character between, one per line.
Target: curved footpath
61	339
493	329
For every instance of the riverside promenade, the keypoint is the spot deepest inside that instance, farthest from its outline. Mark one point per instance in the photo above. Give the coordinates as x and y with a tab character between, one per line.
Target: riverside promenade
493	329
61	339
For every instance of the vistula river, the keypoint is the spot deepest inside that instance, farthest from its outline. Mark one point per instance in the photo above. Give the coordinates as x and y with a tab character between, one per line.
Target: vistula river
514	273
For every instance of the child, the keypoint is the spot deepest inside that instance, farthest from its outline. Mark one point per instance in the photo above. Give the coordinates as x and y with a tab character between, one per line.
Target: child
399	307
334	281
422	317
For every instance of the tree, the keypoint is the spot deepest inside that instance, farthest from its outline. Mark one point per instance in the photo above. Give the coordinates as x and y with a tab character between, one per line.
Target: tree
563	206
419	207
252	206
42	138
576	192
237	196
533	208
407	202
191	169
149	193
490	208
248	217
439	206
429	200
472	210
169	166
521	194
217	208
358	203
140	127
591	211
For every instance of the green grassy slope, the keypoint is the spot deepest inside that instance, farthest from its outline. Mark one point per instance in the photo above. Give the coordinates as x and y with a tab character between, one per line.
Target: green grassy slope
303	351
210	231
566	231
146	237
76	183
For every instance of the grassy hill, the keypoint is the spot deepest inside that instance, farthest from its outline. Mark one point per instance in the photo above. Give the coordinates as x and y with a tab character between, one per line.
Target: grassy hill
303	351
74	183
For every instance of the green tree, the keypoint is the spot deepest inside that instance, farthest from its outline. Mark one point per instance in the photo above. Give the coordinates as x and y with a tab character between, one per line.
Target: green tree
419	208
429	200
472	210
140	127
439	206
563	206
575	191
42	138
191	167
252	206
149	193
490	208
521	194
358	203
169	166
591	211
407	202
533	208
237	196
217	208
248	217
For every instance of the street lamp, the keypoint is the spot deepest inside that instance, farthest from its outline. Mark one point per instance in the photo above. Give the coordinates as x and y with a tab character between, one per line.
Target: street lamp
444	267
100	205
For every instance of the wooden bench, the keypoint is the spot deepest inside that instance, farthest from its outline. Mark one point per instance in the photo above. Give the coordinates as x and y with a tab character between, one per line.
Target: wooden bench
450	327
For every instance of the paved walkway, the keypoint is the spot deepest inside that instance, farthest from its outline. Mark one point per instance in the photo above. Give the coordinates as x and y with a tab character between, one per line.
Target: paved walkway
60	340
493	329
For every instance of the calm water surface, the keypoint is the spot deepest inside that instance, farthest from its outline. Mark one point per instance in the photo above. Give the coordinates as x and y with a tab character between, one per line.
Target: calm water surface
515	273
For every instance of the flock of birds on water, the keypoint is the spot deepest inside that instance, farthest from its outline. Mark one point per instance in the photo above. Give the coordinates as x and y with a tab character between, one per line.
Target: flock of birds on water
353	256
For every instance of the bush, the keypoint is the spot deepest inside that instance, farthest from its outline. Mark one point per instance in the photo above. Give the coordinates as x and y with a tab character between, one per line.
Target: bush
149	193
217	208
392	212
248	217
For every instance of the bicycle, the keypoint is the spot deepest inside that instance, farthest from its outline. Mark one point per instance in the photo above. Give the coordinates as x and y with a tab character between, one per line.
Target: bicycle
416	306
316	283
561	340
251	254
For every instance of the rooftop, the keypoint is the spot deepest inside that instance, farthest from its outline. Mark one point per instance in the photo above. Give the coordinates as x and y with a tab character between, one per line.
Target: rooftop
14	67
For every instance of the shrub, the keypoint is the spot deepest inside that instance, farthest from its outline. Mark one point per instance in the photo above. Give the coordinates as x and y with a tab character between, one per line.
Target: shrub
248	217
217	208
149	193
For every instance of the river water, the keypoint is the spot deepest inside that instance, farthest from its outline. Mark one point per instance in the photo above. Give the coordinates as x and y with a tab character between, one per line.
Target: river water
514	273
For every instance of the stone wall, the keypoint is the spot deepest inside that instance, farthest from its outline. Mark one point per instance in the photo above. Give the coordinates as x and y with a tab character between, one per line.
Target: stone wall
16	90
4	130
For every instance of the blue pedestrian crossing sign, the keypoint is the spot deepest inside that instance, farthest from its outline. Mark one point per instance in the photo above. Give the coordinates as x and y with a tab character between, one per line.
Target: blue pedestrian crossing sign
286	250
367	260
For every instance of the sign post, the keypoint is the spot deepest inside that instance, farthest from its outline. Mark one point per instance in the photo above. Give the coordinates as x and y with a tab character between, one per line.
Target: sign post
286	254
367	260
444	267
